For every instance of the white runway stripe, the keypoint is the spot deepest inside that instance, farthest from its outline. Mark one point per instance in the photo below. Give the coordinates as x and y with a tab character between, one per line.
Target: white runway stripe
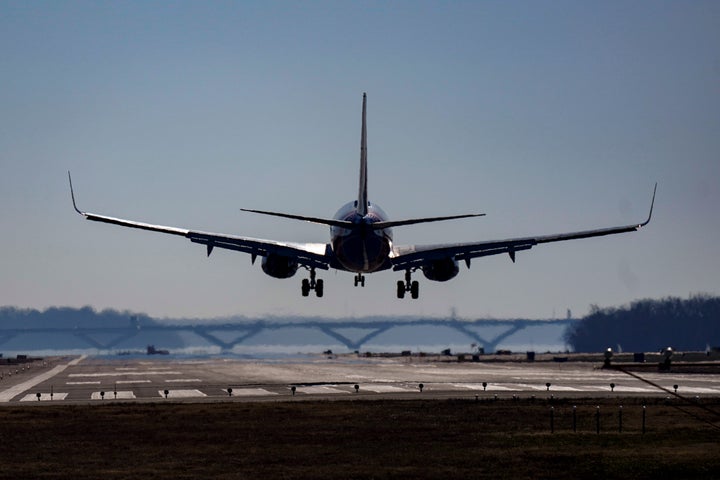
44	397
319	390
182	393
682	389
387	388
123	374
122	395
250	392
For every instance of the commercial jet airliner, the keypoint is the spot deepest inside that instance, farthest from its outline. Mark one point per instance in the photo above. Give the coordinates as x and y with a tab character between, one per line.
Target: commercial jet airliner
361	241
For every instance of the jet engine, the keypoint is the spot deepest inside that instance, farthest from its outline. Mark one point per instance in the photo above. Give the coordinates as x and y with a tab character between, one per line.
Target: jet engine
441	270
278	266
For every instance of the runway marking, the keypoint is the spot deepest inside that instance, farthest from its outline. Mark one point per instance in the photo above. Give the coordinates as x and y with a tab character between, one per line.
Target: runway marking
477	386
621	388
117	374
121	395
182	393
44	397
183	380
526	386
387	389
320	390
82	383
563	388
126	369
133	381
16	390
682	389
250	392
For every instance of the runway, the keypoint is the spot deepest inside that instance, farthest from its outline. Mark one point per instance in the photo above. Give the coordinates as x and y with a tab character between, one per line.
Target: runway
166	378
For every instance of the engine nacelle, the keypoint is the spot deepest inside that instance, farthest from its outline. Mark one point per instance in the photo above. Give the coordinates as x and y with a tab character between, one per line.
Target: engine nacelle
441	270
278	266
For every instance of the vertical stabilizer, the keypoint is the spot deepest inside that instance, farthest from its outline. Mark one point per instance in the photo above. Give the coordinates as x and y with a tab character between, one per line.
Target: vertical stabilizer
362	201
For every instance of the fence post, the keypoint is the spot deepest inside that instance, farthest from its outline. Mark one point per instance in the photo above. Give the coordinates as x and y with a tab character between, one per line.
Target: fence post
643	420
574	418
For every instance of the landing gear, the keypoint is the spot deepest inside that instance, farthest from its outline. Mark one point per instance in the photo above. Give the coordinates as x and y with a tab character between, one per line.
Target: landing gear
312	284
359	279
408	285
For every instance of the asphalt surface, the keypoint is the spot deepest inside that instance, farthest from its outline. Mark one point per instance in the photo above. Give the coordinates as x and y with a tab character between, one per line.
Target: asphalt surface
167	378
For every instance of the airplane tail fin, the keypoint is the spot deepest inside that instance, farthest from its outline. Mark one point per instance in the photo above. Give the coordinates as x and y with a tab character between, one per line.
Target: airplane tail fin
361	206
362	201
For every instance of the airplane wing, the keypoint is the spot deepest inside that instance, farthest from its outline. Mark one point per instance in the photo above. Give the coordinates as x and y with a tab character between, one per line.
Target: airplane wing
314	255
415	256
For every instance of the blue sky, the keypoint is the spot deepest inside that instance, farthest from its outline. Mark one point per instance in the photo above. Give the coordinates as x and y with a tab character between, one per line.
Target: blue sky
548	116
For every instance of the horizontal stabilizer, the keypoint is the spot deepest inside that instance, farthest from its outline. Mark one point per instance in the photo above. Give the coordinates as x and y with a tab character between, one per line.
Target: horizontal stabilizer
322	221
413	221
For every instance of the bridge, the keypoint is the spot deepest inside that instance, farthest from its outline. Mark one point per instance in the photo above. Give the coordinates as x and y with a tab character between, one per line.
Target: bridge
353	334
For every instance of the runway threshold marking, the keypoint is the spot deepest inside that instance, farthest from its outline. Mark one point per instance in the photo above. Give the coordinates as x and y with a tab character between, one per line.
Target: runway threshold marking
697	390
250	392
121	395
387	389
320	390
44	397
621	388
490	387
182	393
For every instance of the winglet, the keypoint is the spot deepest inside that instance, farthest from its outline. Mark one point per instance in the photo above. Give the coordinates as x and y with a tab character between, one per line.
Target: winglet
652	204
72	195
362	201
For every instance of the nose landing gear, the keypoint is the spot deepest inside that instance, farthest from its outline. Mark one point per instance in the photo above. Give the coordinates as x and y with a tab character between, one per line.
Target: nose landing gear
312	284
359	279
408	285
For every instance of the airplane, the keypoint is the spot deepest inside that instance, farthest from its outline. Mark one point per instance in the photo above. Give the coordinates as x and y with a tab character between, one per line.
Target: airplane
361	241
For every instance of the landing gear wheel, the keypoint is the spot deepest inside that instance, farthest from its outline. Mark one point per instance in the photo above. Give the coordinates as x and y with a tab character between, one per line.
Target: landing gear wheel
312	284
415	289
409	285
305	287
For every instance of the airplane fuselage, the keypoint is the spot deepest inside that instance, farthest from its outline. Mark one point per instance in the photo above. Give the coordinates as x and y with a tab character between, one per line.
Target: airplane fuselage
361	250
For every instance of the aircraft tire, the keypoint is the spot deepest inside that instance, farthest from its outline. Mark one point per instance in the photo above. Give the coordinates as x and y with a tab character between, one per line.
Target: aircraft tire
400	289
305	288
319	287
415	289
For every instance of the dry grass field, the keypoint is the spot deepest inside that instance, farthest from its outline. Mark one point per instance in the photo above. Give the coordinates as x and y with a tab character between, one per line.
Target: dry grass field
360	439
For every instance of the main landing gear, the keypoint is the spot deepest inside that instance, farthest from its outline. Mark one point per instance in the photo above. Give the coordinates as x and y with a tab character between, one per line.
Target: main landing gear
408	286
312	284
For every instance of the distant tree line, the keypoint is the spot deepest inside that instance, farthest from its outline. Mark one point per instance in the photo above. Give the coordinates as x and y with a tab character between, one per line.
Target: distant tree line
649	325
86	317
